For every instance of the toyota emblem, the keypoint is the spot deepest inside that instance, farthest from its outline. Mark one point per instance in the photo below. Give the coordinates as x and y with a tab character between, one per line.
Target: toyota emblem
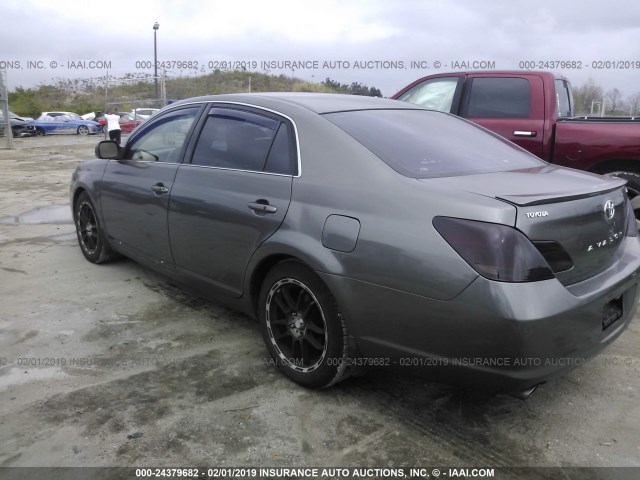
609	210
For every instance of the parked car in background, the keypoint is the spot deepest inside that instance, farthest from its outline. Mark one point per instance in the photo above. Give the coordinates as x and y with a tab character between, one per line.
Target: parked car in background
19	127
144	113
358	240
19	117
535	111
91	115
64	122
127	122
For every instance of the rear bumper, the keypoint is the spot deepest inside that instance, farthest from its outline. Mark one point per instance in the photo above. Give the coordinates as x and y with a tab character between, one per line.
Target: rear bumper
506	336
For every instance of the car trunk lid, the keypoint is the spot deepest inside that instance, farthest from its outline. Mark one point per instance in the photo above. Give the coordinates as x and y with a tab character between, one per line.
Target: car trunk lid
577	220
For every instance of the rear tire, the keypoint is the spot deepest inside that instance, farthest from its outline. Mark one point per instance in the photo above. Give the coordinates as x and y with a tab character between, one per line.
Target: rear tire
91	236
302	326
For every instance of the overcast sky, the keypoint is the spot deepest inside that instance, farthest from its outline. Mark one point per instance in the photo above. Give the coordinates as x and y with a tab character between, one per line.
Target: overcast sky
501	33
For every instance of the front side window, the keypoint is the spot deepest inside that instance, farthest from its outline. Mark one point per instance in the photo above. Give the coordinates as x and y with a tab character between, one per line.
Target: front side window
164	140
242	140
436	94
506	97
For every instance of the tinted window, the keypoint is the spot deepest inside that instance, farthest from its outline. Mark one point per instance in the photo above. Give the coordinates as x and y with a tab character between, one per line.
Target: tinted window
499	98
164	139
436	94
423	144
235	139
281	157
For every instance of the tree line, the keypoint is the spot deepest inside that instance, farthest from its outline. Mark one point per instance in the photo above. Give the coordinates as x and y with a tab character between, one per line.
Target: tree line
127	91
591	99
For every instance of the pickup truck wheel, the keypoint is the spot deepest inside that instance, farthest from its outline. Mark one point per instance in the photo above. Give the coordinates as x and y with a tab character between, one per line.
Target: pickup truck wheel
633	189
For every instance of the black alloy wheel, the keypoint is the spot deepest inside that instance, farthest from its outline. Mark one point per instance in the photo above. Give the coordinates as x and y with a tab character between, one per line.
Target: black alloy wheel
303	327
93	243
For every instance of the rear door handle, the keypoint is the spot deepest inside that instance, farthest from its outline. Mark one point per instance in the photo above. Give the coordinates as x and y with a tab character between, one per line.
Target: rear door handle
159	188
524	133
260	207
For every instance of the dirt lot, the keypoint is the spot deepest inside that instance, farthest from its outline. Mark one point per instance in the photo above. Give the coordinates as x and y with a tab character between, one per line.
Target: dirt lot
112	365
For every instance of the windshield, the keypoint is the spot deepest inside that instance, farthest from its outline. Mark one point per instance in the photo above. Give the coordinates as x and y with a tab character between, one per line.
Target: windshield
425	144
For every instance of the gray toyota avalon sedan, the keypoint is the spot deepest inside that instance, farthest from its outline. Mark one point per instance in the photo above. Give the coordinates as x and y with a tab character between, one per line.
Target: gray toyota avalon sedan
368	232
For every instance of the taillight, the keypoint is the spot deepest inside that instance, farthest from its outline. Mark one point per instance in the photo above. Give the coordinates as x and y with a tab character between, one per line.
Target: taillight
632	224
555	255
497	252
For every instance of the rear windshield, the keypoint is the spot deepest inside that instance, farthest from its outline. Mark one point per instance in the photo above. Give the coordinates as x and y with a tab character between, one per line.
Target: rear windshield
425	144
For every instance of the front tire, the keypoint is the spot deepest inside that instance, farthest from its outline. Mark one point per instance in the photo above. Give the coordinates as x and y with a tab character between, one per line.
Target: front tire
91	237
302	326
39	132
83	130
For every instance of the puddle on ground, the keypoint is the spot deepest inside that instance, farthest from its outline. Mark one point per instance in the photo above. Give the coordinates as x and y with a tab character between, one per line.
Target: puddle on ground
19	376
50	214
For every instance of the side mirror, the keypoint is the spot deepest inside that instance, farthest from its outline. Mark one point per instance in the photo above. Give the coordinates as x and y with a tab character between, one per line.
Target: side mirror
108	149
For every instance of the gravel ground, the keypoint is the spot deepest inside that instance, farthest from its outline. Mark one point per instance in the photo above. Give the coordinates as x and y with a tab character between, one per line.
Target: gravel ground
114	366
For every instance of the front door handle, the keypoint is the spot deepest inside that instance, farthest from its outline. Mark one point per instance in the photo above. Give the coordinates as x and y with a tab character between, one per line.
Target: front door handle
524	133
262	207
159	188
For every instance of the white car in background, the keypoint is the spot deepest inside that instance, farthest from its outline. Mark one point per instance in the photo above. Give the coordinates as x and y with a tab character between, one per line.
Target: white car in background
144	113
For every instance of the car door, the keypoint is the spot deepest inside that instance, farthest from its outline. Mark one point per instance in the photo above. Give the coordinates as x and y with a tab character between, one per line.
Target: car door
135	189
505	105
59	122
232	195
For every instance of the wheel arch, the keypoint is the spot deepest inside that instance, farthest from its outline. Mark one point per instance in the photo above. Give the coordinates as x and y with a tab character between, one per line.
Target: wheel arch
609	166
78	191
285	245
259	273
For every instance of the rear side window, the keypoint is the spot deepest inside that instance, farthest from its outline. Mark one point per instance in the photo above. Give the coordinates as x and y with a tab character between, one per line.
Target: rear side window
499	98
282	156
241	140
425	144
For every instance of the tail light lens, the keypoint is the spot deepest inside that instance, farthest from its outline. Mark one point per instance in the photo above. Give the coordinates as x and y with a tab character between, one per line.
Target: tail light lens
497	252
555	255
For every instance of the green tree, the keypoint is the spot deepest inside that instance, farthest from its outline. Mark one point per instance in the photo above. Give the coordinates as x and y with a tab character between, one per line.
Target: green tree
586	96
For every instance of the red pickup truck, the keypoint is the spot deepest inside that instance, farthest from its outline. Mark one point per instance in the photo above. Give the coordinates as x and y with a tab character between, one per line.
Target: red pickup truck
535	110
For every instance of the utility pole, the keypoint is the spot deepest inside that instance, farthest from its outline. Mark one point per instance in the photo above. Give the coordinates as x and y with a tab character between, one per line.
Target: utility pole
156	26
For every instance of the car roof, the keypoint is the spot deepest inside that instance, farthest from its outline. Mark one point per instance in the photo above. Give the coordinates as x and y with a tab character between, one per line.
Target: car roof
316	102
